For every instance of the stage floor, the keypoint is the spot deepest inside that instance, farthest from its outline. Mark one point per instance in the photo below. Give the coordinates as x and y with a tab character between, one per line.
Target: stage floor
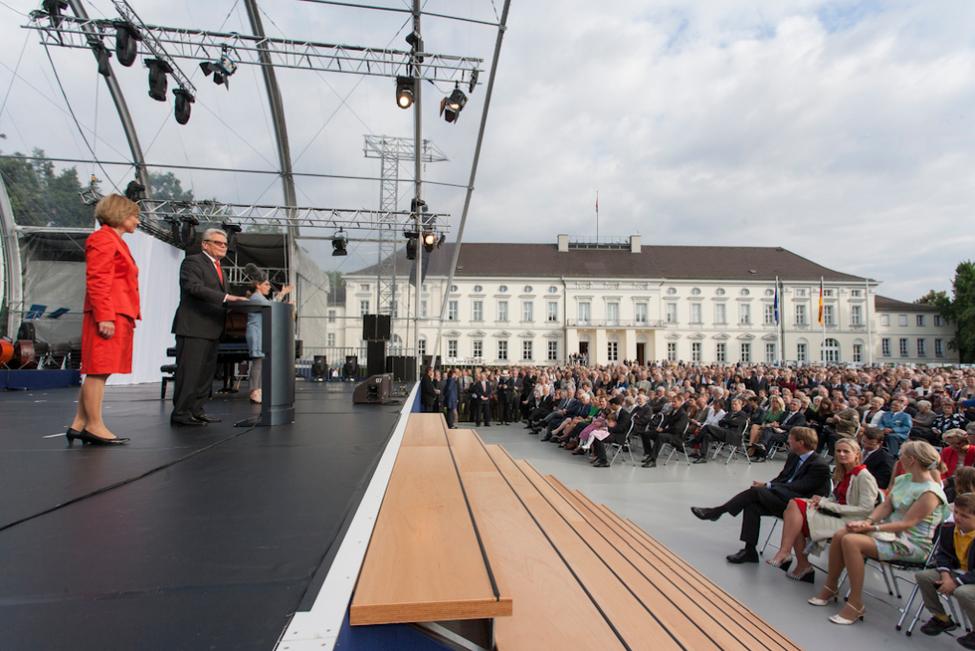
189	538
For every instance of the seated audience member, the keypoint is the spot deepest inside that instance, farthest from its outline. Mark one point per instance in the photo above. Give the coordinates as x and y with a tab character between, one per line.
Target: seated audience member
957	452
844	423
728	431
922	423
953	574
776	433
818	518
900	529
805	474
773	415
671	430
619	427
875	456
874	413
949	419
896	425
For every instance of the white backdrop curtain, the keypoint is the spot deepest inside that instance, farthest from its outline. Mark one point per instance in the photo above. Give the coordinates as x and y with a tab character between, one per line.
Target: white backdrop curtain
159	290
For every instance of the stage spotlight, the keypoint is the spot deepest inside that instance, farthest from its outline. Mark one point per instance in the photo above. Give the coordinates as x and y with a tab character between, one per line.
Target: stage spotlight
221	69
53	9
416	44
182	105
231	229
411	246
135	191
127	39
405	91
158	81
187	230
451	106
340	242
102	55
429	240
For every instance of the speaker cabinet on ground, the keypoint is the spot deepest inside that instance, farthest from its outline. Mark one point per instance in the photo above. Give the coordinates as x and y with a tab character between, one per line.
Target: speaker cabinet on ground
374	391
402	367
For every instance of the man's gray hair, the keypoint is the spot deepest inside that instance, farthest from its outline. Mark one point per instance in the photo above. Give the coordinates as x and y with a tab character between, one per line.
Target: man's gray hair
210	232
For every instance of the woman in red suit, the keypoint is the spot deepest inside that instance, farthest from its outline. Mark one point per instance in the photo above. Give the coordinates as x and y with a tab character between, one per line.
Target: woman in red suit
111	309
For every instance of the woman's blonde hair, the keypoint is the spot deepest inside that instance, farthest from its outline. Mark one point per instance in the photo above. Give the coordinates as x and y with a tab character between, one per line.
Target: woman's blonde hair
965	480
839	472
113	209
925	455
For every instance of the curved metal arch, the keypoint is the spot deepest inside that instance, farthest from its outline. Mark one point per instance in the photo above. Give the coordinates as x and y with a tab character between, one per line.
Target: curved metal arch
118	97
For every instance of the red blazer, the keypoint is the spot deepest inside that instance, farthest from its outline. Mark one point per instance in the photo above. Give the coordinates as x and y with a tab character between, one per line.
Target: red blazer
112	277
949	456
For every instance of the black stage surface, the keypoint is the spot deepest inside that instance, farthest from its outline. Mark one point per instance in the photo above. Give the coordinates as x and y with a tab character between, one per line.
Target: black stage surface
191	538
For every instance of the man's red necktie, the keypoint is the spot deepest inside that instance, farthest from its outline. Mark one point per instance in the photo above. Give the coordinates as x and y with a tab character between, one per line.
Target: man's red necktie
219	270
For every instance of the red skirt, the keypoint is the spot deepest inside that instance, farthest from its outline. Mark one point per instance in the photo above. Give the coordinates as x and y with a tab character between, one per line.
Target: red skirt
100	356
802	504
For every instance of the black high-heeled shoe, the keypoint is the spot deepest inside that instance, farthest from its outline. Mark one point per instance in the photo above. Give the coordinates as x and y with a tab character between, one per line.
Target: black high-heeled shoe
71	435
88	437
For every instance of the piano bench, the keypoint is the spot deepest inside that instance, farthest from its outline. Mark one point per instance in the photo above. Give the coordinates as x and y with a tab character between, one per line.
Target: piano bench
169	373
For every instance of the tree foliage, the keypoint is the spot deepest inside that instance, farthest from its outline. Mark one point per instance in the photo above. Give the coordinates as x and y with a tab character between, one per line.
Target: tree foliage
167	187
959	309
43	196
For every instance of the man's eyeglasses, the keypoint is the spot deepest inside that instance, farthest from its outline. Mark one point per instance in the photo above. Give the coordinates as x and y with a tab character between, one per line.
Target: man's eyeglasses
217	242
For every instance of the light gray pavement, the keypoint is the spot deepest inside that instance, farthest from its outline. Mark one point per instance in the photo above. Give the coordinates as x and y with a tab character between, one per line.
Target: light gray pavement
659	500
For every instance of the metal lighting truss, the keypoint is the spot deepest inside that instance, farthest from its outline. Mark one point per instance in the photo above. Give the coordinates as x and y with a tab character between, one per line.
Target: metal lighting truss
202	45
150	43
390	151
245	215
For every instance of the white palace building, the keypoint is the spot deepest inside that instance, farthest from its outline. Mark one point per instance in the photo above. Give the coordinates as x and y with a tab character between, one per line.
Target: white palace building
513	304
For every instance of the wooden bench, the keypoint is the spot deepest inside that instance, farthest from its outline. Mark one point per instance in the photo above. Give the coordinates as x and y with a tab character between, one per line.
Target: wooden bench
574	574
424	562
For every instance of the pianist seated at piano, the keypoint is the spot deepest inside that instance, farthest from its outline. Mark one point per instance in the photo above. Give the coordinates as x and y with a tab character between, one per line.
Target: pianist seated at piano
259	292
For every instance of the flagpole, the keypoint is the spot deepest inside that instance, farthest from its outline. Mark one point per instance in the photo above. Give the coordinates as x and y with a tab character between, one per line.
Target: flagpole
781	321
597	216
822	321
866	311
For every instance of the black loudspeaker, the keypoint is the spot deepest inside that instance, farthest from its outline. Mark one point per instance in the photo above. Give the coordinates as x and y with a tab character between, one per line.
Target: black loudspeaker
351	367
376	327
403	368
376	357
374	391
429	361
319	368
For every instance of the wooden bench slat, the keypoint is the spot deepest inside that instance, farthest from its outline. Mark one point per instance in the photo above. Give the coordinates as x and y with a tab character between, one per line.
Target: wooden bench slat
425	430
731	613
424	562
552	611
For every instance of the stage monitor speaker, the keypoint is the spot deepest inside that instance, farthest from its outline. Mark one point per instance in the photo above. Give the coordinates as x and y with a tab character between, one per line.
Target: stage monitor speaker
376	357
319	368
351	367
374	391
376	327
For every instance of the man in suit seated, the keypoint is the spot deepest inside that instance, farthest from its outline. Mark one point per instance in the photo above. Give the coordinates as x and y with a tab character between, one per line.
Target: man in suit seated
777	433
805	474
671	430
877	459
728	430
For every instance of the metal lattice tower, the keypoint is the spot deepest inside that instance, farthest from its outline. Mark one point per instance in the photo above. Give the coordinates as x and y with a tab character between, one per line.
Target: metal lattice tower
390	151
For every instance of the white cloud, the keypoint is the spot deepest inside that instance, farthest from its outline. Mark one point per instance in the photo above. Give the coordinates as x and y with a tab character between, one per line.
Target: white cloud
840	130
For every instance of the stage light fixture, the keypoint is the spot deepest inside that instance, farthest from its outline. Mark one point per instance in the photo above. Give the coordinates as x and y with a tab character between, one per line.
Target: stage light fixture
221	69
416	44
158	81
102	55
405	91
187	229
231	229
411	246
453	104
340	242
53	9
127	38
473	82
183	104
135	191
429	240
443	238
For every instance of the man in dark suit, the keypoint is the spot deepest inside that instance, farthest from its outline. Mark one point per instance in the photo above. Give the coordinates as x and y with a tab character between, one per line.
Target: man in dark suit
671	430
777	433
805	474
198	326
619	427
428	391
481	392
729	430
876	458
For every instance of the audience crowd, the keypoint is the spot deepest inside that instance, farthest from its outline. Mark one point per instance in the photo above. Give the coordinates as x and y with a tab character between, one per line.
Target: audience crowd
874	456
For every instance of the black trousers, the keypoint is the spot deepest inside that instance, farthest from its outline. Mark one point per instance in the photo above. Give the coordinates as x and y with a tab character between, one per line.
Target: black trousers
753	504
504	404
196	364
482	409
654	441
719	434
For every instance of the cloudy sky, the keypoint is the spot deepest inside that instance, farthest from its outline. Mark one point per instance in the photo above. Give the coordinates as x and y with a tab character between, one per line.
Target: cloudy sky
840	130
